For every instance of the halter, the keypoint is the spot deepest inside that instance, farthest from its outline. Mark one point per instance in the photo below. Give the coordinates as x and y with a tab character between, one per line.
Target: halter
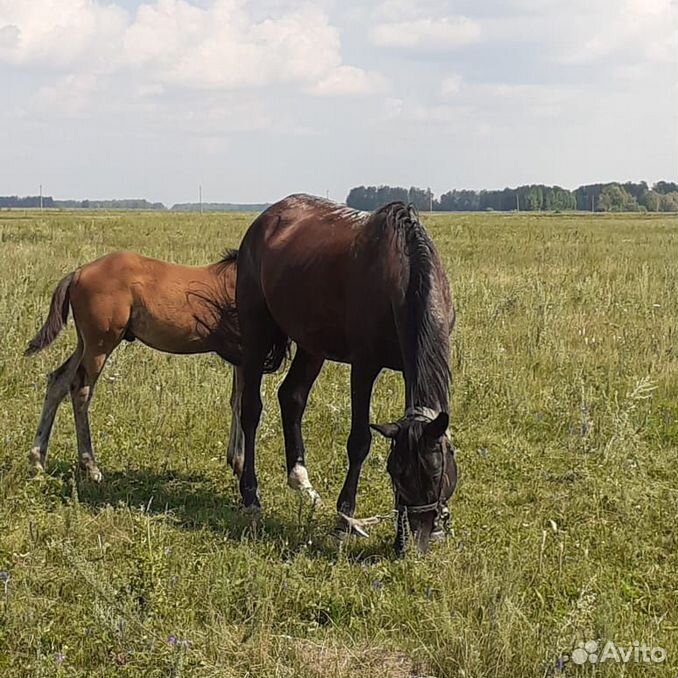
427	415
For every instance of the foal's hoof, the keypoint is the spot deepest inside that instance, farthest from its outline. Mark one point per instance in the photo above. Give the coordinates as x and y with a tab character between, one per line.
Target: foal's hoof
92	473
237	466
36	460
236	463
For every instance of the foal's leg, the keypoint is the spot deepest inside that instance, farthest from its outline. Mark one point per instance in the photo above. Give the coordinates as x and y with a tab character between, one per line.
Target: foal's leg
82	390
359	440
293	395
235	455
57	388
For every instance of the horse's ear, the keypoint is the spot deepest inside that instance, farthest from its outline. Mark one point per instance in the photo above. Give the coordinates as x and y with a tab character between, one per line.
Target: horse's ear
438	426
387	430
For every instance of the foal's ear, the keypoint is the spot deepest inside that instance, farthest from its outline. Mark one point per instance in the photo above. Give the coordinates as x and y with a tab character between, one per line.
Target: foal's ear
438	426
387	430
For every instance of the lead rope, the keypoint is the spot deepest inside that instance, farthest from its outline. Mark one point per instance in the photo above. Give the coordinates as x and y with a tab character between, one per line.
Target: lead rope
401	526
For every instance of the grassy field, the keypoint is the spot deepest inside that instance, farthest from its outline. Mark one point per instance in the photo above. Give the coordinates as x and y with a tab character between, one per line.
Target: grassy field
563	526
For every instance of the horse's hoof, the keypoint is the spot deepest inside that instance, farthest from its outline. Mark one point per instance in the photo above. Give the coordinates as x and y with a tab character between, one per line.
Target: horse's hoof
316	501
298	481
253	510
35	459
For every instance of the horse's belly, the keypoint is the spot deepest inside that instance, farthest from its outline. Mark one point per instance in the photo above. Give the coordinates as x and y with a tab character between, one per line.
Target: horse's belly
327	340
308	303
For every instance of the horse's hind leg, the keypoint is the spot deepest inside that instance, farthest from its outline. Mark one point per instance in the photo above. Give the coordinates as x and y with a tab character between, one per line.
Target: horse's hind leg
293	395
235	455
58	383
82	390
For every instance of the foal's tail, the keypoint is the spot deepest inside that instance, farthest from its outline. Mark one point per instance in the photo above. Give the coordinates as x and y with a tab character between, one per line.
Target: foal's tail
56	319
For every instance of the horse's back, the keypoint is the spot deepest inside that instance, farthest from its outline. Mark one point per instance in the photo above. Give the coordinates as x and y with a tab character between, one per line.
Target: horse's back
308	261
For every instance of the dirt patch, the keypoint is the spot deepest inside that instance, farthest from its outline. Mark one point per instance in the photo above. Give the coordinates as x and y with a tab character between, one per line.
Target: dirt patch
332	659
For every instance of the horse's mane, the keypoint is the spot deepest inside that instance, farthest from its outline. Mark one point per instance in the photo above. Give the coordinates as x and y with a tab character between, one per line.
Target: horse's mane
424	339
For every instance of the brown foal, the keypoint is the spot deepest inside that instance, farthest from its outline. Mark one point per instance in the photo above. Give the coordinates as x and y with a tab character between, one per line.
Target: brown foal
172	308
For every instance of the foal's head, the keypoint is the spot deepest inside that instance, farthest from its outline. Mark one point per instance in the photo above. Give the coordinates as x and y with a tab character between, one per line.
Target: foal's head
423	471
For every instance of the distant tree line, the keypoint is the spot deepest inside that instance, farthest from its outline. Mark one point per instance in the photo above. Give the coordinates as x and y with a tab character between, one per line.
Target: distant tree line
26	202
604	197
32	201
219	207
609	197
48	202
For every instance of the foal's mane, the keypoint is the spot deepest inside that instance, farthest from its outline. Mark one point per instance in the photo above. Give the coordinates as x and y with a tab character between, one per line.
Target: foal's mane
424	336
224	308
229	256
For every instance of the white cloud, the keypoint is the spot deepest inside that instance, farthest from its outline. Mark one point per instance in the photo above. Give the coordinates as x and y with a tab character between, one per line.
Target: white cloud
58	32
222	47
580	32
219	45
443	33
644	30
350	80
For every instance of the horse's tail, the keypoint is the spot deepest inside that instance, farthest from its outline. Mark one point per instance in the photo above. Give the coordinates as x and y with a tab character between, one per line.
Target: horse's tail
56	319
278	353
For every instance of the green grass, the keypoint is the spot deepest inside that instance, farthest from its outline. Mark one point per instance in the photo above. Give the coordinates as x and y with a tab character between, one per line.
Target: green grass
563	525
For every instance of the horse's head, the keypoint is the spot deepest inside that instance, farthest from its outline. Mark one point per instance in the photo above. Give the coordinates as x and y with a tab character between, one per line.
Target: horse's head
423	471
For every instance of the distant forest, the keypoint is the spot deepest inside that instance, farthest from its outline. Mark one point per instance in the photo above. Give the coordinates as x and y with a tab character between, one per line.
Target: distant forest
48	202
610	197
220	207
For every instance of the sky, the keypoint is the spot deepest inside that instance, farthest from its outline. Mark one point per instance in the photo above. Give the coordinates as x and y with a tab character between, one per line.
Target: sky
253	100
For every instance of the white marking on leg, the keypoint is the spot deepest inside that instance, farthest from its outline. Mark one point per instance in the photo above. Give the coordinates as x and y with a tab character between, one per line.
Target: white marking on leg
298	480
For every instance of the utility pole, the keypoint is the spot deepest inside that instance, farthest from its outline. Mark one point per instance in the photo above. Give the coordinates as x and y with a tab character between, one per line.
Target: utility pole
593	202
430	199
41	197
517	202
200	197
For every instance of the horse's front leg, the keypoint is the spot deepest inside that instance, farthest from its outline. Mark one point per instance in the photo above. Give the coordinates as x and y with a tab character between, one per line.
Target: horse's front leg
359	440
293	396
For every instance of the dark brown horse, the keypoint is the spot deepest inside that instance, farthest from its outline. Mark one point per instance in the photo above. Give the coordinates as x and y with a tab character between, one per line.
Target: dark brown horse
172	308
364	289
